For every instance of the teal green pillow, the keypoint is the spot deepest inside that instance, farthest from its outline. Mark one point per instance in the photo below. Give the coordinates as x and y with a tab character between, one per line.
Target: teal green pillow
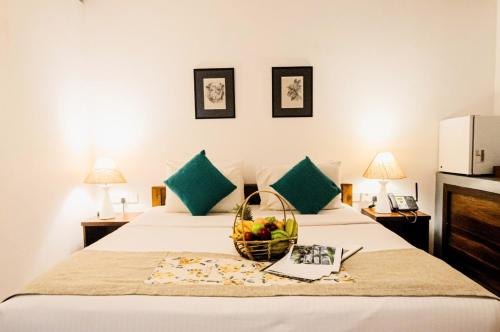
306	187
200	185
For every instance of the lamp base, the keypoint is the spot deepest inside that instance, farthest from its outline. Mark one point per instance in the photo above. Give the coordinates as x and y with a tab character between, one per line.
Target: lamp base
106	211
383	205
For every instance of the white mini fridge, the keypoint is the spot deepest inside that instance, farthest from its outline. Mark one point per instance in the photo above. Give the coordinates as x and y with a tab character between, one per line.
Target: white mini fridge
469	144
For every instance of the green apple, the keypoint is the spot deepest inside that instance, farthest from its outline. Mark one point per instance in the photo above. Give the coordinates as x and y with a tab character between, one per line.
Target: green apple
256	228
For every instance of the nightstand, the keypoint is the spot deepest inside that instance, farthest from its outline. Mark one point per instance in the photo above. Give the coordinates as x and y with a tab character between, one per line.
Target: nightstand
416	233
96	229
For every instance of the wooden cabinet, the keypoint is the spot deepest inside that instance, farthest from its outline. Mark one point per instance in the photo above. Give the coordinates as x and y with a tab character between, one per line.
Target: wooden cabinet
416	233
471	233
96	229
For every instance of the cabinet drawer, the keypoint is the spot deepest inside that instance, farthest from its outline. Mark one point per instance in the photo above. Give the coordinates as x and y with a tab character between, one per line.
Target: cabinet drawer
474	215
471	233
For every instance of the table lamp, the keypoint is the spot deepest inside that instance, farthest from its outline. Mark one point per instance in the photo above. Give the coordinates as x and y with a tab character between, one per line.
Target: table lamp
383	167
105	173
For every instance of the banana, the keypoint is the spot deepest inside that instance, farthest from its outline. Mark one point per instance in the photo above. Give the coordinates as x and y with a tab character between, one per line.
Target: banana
247	225
240	229
237	236
289	226
295	229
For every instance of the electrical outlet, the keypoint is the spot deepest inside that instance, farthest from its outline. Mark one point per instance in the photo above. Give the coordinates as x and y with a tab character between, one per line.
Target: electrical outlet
366	197
130	197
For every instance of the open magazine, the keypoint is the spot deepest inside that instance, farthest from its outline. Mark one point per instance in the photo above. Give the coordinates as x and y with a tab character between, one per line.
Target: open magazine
310	263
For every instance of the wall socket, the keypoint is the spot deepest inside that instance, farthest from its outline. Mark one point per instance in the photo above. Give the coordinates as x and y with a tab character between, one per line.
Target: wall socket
130	197
366	197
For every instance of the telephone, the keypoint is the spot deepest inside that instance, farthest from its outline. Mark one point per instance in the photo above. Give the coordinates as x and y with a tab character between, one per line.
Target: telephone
402	203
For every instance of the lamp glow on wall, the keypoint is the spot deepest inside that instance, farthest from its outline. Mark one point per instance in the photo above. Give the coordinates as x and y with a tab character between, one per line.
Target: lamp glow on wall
105	173
384	167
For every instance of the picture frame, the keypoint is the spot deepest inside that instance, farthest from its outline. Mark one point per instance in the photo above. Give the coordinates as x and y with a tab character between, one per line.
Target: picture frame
214	93
292	91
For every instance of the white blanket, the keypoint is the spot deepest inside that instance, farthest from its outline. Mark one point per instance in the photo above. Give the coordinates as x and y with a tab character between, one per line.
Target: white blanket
157	230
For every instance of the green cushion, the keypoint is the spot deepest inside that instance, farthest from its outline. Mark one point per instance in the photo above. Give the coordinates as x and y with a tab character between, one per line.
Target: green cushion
306	187
200	185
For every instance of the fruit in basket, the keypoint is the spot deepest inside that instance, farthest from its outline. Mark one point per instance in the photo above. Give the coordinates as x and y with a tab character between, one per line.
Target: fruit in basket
261	221
280	224
256	228
271	226
237	236
291	227
248	236
263	229
247	225
279	234
270	219
245	213
242	227
264	234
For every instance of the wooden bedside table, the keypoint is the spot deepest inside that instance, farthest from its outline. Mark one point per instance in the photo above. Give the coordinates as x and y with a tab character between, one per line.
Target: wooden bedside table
416	233
96	229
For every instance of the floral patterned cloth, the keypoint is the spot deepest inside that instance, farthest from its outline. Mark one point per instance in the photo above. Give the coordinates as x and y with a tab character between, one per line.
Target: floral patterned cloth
199	270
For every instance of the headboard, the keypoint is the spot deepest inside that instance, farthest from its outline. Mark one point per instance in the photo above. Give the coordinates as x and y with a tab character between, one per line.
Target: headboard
158	194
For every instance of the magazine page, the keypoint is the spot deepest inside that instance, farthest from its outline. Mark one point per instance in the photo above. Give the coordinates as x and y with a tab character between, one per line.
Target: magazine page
285	267
308	263
317	255
346	253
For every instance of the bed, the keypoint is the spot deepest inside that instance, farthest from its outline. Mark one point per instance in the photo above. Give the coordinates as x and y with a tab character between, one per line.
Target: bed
157	230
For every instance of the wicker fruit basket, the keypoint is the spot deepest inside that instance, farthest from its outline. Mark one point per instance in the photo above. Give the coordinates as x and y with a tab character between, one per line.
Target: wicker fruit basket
265	250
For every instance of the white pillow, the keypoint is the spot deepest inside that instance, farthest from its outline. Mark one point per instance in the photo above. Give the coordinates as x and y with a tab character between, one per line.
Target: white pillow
233	172
270	174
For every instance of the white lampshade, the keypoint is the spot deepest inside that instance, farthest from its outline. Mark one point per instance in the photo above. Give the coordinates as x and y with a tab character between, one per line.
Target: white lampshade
384	167
104	172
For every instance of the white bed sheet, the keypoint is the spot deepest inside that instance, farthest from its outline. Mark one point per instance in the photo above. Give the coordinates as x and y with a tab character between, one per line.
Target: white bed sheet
157	230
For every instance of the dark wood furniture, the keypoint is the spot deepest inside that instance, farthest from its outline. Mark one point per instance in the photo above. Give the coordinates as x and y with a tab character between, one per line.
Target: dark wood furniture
159	193
96	229
416	233
496	171
471	233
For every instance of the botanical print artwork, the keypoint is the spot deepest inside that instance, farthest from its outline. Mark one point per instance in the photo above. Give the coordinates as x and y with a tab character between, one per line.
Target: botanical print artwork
292	92
198	270
214	91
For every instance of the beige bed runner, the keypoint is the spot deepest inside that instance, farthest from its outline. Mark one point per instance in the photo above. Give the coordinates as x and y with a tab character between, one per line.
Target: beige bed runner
408	272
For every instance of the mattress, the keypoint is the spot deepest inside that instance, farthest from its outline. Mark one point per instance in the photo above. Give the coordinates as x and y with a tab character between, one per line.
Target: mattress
157	230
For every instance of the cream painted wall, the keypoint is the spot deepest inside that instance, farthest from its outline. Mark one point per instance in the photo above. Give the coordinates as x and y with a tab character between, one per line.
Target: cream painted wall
45	142
385	73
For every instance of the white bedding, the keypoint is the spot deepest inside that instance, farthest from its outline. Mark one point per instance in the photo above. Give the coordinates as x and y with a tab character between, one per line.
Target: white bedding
157	230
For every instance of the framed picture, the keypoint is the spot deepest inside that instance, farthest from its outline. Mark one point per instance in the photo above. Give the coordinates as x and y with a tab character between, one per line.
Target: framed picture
214	93
292	92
